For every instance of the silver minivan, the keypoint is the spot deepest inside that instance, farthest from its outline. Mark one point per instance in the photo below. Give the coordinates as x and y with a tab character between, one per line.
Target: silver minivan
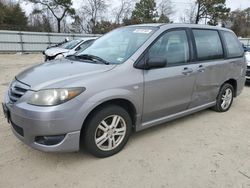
128	80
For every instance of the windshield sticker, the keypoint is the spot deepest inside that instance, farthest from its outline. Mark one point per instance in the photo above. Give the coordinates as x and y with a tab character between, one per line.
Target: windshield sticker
144	31
120	59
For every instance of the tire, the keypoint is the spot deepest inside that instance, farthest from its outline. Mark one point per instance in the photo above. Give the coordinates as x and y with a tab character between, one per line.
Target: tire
219	107
100	137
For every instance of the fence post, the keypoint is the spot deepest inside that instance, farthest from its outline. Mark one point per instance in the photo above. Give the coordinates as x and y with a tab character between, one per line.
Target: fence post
21	41
49	39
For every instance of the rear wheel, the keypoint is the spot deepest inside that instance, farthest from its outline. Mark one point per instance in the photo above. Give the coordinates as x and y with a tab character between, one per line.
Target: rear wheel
107	131
224	98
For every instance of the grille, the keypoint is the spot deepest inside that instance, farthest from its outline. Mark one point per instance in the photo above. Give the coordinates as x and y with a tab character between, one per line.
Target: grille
49	58
17	90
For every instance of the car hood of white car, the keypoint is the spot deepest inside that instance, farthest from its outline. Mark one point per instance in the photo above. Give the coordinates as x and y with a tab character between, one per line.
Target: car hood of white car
55	51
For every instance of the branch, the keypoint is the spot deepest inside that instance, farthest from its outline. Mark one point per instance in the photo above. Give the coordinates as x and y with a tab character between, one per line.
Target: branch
64	13
39	2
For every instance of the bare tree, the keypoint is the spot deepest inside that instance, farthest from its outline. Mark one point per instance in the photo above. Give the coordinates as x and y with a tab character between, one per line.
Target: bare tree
123	11
165	7
189	14
87	17
40	21
164	10
240	22
78	25
94	9
59	9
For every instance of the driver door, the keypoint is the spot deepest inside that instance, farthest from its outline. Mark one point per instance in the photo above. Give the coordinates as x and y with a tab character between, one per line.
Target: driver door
168	90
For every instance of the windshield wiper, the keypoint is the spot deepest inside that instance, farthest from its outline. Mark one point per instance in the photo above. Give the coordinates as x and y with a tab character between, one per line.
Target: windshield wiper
71	57
92	58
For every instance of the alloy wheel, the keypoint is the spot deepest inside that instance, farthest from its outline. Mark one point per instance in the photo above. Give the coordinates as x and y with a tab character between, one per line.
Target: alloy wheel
226	99
110	133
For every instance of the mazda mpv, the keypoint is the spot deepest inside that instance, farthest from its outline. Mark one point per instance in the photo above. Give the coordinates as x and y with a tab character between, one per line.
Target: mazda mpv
128	80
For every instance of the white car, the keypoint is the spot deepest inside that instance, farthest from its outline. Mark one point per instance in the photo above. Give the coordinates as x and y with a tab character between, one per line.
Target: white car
68	48
247	54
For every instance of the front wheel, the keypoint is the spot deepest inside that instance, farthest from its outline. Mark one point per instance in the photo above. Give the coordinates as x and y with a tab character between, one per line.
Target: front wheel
107	131
224	98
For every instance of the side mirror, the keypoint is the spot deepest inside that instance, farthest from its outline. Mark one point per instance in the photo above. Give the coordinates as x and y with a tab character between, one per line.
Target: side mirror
155	62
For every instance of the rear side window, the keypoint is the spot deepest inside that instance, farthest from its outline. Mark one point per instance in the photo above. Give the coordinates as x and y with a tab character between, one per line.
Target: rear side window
234	48
208	44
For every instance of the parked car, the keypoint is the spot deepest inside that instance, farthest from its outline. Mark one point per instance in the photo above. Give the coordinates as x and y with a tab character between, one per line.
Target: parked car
130	79
245	45
247	54
59	44
68	48
246	48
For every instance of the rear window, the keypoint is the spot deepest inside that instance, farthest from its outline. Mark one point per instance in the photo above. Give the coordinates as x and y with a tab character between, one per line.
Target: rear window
208	44
234	47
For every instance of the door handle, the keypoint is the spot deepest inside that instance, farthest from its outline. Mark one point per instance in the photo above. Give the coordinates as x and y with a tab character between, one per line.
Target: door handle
201	68
187	71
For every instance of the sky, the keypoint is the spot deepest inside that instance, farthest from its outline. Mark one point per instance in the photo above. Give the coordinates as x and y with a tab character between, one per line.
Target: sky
179	6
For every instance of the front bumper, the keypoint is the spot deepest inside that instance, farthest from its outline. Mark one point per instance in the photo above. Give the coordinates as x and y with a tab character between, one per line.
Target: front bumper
29	122
49	58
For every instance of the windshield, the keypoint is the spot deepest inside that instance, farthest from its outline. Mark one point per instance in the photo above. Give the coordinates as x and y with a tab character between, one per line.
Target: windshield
117	46
71	44
85	45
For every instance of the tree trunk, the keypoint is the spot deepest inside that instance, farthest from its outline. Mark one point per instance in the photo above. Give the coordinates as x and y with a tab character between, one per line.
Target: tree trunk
198	14
58	25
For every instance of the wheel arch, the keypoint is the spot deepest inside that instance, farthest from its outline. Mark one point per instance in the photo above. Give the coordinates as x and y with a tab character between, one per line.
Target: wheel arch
122	102
232	82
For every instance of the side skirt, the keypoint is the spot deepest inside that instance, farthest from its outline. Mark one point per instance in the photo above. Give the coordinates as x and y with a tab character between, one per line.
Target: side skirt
173	116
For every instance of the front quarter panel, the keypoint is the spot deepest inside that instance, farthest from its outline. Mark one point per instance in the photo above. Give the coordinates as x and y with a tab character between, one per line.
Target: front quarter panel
120	83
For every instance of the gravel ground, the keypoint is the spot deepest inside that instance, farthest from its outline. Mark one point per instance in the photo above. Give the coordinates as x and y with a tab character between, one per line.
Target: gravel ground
203	150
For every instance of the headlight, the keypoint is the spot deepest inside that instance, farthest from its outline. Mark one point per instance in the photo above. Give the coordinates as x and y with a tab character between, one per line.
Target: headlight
53	97
59	56
247	55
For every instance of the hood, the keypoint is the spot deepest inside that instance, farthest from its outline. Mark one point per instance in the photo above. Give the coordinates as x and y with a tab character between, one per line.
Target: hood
54	51
48	74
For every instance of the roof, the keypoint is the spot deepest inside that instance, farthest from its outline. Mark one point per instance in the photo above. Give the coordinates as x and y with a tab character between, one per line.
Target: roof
178	25
88	38
147	25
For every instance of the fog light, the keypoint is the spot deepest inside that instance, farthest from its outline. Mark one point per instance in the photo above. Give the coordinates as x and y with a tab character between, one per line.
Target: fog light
49	140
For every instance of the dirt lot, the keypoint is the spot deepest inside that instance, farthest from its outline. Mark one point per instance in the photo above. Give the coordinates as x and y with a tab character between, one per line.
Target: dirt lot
203	150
